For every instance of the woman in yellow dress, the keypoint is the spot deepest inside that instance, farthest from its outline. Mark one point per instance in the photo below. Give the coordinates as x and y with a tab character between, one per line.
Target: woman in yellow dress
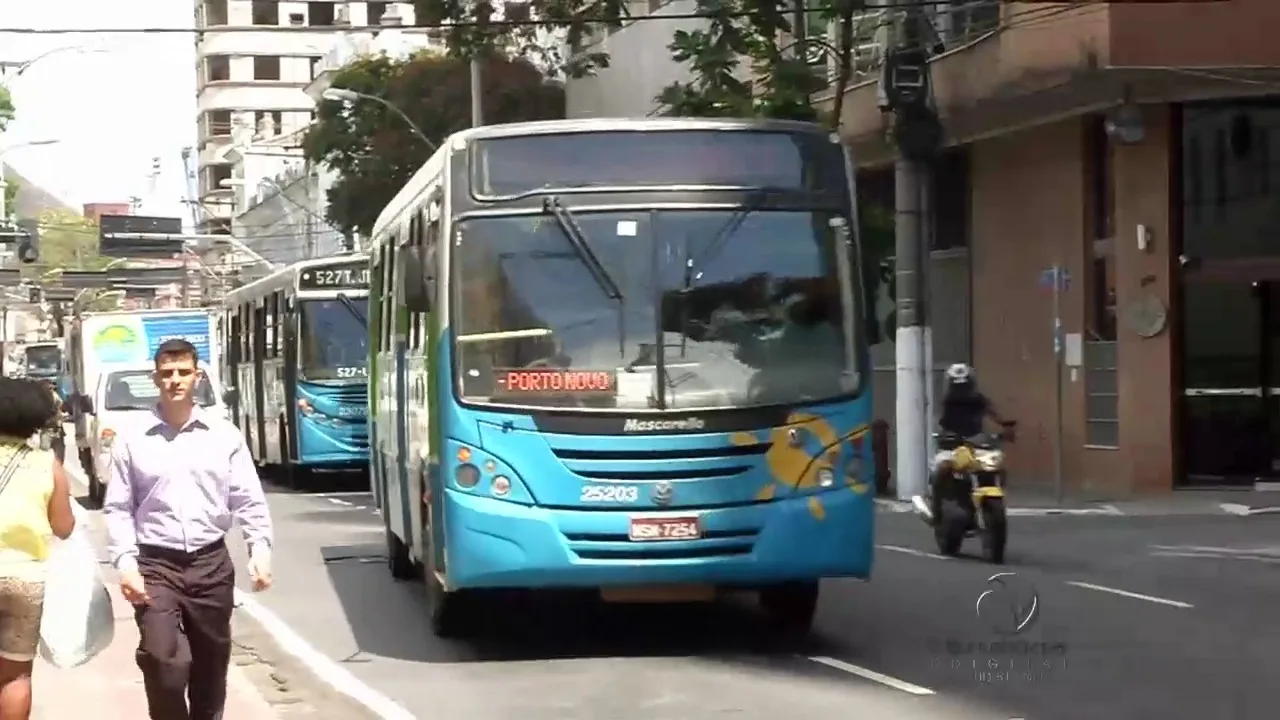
35	505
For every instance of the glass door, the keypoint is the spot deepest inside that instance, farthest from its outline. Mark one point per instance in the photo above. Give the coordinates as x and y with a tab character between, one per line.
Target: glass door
1231	374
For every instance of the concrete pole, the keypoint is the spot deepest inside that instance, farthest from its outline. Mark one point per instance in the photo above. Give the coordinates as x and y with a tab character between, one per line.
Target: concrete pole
477	92
911	341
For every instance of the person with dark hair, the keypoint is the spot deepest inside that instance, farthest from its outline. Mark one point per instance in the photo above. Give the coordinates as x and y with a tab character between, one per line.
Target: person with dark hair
178	481
35	503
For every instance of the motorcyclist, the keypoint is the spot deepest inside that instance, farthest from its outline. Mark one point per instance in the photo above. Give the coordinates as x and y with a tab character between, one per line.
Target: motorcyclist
53	436
964	411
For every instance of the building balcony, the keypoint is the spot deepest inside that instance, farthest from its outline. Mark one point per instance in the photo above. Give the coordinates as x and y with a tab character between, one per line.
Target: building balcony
1046	61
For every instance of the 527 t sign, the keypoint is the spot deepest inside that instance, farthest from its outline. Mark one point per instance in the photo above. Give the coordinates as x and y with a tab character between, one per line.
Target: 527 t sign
354	276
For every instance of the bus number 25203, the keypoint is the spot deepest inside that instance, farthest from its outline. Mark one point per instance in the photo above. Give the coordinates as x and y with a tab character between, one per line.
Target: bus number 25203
609	494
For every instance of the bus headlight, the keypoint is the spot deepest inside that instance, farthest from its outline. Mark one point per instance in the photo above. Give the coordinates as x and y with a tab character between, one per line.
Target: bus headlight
467	476
501	486
305	406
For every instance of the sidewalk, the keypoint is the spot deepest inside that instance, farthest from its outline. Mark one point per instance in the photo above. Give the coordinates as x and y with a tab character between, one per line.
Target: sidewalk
109	687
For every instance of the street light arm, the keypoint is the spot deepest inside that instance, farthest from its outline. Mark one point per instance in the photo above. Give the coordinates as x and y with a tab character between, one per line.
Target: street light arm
393	108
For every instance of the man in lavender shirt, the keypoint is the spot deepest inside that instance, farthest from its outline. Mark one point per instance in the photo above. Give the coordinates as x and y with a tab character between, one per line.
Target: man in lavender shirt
178	480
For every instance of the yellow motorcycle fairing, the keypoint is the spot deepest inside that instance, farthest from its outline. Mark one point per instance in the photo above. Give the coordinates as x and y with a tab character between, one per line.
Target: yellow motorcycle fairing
963	459
988	492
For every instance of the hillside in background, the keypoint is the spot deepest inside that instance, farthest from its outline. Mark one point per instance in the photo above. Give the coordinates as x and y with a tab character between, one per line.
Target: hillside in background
34	201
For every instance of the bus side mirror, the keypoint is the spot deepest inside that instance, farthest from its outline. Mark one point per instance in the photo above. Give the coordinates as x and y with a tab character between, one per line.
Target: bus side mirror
417	279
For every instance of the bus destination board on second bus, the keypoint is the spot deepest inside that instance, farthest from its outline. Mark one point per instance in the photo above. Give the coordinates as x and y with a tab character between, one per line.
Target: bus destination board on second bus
354	277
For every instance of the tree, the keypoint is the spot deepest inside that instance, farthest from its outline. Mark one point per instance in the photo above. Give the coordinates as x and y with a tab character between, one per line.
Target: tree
375	151
750	35
6	107
69	242
6	116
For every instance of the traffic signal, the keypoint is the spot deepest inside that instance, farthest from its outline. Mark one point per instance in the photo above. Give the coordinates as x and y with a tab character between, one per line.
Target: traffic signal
29	241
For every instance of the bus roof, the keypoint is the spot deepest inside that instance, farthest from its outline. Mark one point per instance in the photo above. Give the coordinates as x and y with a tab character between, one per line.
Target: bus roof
423	178
286	277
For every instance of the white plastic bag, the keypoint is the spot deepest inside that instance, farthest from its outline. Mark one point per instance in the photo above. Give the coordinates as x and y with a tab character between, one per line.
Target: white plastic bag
78	621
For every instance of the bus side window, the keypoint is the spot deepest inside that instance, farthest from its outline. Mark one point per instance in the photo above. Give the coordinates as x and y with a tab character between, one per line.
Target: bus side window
415	319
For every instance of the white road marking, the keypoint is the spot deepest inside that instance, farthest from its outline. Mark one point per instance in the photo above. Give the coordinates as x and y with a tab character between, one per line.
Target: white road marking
337	501
1134	595
343	494
1216	556
912	551
872	675
329	671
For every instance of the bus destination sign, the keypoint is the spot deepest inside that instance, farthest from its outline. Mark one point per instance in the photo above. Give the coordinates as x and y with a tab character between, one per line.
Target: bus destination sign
554	381
336	277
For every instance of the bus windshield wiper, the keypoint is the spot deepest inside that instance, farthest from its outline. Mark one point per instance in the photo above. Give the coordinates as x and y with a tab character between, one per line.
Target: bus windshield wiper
582	246
351	308
598	271
720	238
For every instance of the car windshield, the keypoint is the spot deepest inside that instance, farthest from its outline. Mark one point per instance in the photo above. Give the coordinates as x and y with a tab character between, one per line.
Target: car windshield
135	390
746	306
43	360
334	343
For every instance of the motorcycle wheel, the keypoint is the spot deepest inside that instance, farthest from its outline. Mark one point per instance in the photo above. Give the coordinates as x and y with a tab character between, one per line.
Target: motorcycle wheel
995	530
952	523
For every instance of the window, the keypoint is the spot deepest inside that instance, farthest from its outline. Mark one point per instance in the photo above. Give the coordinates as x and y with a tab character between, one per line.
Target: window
315	67
320	14
217	68
266	67
1100	188
376	11
215	13
266	12
214	175
950	198
268	123
217	123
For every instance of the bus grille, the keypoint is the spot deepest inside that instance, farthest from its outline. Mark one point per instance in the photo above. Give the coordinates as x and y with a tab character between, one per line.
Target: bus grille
713	462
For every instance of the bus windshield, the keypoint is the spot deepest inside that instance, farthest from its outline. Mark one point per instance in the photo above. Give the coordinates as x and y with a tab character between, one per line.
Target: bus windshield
135	390
44	360
746	306
334	342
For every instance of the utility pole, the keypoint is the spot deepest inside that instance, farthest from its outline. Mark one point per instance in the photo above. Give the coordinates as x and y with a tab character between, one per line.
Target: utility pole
477	91
905	91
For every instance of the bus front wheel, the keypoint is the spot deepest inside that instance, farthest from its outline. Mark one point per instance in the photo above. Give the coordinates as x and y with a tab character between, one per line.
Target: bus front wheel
790	607
452	614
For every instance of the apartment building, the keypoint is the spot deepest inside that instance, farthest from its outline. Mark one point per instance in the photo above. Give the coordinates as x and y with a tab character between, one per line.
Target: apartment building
255	57
1135	144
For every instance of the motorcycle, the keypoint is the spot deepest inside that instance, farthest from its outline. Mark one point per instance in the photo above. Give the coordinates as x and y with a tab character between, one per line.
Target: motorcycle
971	501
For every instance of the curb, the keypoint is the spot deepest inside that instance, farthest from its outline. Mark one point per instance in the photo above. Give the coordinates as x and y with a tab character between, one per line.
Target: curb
1247	510
902	506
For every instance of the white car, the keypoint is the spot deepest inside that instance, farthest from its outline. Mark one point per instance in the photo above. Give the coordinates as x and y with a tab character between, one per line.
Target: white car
121	396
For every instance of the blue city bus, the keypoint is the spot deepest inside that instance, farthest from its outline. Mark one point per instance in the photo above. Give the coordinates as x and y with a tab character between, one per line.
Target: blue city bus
296	366
626	356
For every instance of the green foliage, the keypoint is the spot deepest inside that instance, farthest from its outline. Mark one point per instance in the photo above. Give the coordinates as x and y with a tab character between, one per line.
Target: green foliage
741	35
70	242
11	187
375	151
6	107
741	39
477	28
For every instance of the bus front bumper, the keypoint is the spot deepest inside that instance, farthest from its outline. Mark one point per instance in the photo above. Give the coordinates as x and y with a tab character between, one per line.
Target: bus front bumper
497	544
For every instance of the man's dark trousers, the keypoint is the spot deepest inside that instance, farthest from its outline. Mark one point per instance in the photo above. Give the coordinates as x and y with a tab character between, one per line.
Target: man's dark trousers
185	645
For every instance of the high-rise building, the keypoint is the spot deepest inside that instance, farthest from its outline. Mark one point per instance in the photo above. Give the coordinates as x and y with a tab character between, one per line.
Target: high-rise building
249	84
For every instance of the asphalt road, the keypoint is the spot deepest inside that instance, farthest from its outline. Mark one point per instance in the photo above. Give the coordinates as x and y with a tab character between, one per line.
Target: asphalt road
1151	617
